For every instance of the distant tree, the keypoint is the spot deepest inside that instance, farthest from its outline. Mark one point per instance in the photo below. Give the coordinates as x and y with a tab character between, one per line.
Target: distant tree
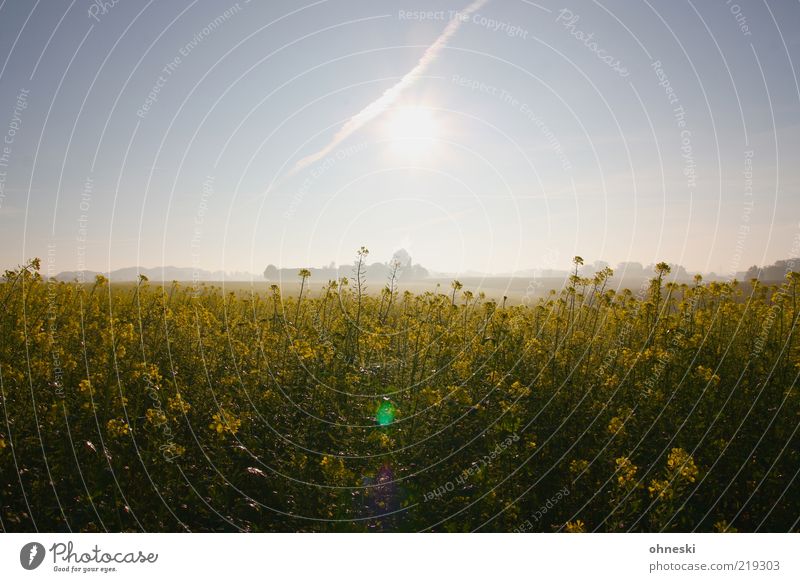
678	271
271	272
420	272
774	272
630	269
402	257
376	271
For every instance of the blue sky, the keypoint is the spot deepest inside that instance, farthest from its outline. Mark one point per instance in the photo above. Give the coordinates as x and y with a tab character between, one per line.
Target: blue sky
518	147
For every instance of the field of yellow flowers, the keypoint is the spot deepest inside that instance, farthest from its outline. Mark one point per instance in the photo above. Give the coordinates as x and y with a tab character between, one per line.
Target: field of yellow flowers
672	407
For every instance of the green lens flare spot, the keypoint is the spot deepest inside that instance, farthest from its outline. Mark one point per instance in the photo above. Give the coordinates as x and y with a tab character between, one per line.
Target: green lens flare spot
385	414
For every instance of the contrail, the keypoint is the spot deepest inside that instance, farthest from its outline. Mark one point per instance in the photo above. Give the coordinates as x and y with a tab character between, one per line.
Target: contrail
385	101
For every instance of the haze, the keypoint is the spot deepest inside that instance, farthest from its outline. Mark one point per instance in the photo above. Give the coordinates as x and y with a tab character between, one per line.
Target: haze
174	133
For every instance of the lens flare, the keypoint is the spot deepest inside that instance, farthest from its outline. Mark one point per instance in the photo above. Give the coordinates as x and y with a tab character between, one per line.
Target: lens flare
385	413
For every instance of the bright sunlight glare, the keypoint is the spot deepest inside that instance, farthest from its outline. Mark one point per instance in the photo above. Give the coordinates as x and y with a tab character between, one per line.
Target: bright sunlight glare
412	130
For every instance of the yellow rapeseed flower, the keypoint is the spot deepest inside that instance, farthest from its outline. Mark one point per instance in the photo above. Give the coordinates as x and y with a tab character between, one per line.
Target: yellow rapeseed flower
155	416
576	526
224	421
682	462
660	488
626	471
178	404
617	425
117	427
577	466
724	527
302	349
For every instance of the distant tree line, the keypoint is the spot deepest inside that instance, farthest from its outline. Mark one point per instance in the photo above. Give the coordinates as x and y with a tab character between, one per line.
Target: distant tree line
774	272
408	271
401	261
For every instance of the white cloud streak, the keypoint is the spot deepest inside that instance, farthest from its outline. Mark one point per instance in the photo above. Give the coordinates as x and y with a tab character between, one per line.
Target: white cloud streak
391	95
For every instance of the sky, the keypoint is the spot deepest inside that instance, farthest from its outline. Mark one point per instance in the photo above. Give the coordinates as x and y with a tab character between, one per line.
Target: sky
490	136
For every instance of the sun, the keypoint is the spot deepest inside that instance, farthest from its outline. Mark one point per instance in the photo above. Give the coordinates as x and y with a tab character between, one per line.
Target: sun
412	130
